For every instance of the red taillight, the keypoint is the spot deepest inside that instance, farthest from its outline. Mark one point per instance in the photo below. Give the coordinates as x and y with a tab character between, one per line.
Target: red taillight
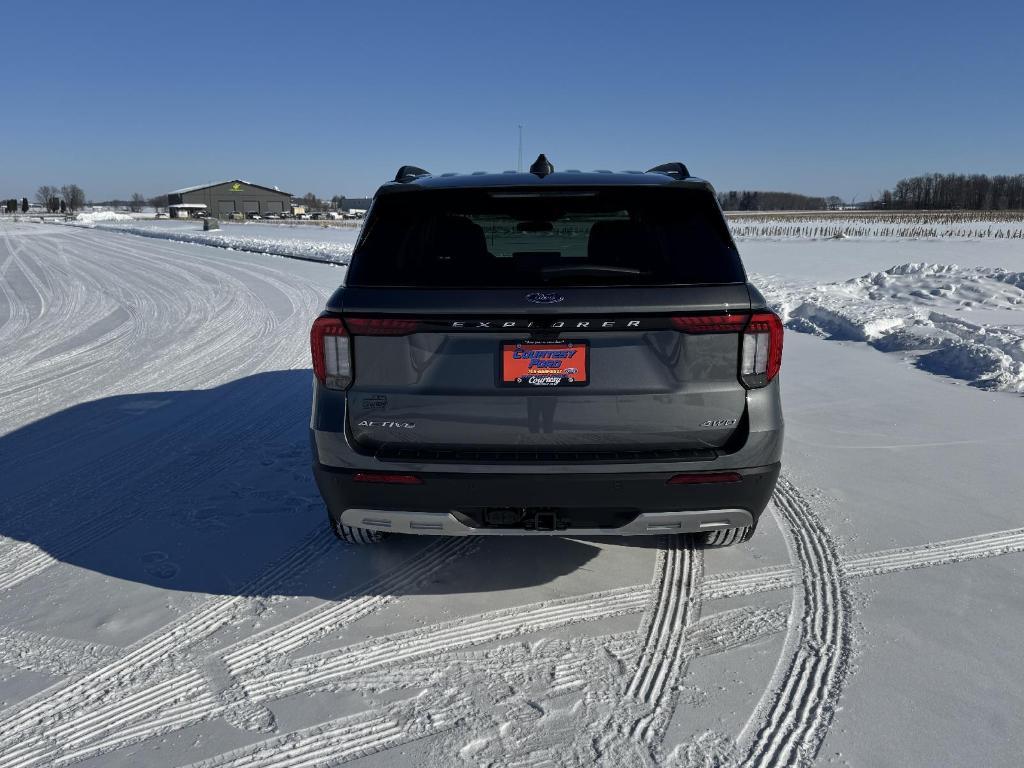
376	477
695	478
761	356
727	323
381	326
761	348
332	358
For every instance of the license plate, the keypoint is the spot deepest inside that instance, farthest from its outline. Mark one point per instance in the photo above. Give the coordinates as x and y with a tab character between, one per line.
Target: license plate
544	363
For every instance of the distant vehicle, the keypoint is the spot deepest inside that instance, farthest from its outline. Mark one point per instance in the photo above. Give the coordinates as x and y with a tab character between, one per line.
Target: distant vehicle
546	353
271	216
252	215
298	210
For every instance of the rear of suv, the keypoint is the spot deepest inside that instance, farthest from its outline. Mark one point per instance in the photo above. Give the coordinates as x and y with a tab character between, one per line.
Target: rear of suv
536	353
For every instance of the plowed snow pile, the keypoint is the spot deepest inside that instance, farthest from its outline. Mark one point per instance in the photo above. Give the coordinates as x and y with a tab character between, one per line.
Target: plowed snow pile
95	217
956	321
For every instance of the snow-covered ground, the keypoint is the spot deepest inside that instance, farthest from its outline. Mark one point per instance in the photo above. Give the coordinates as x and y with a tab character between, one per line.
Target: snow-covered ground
169	594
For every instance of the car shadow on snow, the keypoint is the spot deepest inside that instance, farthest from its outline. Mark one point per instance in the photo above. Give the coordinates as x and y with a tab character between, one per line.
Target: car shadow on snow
204	490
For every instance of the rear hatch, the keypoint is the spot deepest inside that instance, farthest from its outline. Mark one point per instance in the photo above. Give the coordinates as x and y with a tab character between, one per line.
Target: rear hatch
568	320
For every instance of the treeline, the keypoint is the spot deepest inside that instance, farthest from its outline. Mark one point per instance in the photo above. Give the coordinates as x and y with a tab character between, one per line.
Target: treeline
69	197
137	202
772	201
955	191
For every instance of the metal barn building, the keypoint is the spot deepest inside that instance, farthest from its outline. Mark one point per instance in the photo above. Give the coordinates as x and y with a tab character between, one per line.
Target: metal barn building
234	196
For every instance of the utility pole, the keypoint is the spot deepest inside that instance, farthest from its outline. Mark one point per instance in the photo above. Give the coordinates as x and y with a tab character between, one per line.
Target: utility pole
519	166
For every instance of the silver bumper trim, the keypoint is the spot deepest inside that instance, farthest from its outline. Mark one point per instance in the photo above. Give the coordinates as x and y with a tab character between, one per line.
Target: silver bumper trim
446	524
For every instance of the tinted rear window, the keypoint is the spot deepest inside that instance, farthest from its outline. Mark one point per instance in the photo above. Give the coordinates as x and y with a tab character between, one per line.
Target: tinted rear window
521	238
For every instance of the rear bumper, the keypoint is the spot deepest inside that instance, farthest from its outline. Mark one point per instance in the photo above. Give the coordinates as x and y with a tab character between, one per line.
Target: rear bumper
554	503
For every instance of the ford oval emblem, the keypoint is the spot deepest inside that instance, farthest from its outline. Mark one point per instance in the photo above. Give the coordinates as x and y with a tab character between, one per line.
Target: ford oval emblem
544	298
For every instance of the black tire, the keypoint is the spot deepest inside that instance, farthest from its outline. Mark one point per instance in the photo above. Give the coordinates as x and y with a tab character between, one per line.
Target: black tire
726	537
351	535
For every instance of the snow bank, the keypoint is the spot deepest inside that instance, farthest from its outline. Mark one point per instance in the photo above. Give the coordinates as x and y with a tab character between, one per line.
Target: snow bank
97	216
963	322
308	250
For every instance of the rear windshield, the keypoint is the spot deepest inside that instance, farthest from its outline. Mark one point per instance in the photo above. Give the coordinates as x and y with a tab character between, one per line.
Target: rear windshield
523	238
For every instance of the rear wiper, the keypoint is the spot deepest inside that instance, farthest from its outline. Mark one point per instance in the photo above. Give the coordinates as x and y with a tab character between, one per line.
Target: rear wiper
588	270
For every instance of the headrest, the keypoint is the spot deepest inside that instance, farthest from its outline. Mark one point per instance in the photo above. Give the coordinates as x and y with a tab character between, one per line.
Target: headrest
458	238
616	242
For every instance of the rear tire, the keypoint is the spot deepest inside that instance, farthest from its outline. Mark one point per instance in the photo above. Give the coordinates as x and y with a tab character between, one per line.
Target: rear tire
351	535
726	537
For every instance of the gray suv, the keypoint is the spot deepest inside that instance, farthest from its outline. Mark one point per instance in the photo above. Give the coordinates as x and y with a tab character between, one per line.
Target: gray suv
562	353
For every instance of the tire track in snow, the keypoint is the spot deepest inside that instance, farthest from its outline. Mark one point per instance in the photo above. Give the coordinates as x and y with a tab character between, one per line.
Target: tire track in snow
712	634
937	553
40	715
145	712
333	667
674	606
722	585
536	674
348	738
274	643
720	631
950	551
793	723
715	633
46	653
734	628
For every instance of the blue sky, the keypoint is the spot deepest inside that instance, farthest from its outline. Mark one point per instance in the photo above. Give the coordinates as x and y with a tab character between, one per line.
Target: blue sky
822	98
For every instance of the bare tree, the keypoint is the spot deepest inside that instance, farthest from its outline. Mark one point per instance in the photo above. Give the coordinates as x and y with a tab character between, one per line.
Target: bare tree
158	202
45	194
138	202
937	191
73	197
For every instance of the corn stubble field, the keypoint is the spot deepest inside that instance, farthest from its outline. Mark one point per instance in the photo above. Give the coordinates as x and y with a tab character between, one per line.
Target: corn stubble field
880	224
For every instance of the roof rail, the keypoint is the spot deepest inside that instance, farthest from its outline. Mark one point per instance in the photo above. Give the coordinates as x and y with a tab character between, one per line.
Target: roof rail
675	170
409	173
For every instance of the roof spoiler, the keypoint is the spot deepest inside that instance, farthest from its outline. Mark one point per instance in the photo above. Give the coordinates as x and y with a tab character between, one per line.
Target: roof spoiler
675	170
409	173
